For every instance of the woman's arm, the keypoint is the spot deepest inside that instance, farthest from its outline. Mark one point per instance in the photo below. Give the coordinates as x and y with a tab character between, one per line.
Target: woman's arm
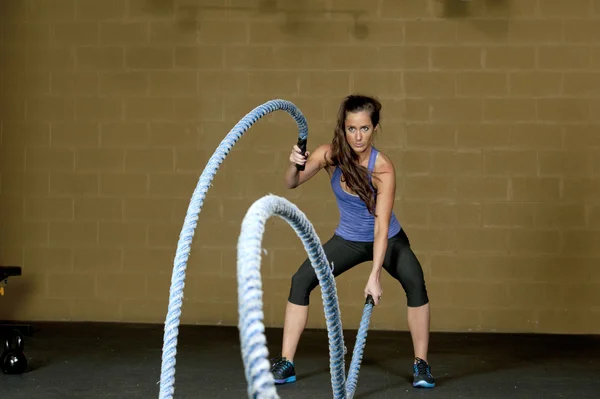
312	164
385	182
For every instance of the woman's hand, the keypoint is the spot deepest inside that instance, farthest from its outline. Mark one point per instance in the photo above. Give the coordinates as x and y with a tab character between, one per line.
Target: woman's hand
312	164
373	288
296	157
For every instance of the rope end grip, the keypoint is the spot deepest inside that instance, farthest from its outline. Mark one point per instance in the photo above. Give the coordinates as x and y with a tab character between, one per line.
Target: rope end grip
302	145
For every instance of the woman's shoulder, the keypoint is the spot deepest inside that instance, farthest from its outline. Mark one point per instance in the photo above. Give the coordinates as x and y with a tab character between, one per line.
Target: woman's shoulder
324	151
383	163
326	148
384	172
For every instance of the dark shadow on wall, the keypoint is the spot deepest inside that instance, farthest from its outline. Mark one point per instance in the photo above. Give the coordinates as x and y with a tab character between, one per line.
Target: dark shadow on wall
187	15
456	8
471	8
502	5
296	18
477	13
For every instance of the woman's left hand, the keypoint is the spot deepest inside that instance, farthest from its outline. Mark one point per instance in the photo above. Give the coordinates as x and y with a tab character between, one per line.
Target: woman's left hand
374	289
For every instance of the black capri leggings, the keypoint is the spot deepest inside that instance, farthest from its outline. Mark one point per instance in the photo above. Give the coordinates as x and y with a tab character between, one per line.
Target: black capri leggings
400	262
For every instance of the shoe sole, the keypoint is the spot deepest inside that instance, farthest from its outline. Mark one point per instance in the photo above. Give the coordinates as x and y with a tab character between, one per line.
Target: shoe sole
286	381
423	384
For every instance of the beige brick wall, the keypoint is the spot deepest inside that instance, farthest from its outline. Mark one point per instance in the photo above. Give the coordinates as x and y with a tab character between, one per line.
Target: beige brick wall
111	108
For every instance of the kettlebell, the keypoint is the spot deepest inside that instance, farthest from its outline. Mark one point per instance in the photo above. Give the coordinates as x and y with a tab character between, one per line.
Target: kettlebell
13	360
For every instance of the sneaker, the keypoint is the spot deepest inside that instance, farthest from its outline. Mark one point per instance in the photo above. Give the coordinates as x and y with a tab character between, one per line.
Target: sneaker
422	375
283	370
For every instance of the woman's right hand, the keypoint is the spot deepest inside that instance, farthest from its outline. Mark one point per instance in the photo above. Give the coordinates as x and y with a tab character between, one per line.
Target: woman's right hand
296	157
295	177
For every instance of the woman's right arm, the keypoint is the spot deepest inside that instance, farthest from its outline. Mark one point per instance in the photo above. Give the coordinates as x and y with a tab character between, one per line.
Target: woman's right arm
312	164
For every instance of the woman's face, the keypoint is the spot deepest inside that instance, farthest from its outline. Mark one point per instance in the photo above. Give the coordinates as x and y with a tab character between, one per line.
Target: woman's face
359	130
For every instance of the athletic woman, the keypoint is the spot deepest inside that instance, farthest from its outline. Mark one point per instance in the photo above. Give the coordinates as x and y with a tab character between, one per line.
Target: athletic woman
363	181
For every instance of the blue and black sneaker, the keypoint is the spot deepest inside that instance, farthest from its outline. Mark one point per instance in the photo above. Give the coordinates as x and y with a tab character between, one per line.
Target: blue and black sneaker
283	370
422	374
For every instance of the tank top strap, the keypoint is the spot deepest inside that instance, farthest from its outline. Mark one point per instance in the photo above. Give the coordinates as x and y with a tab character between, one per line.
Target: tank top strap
372	159
336	173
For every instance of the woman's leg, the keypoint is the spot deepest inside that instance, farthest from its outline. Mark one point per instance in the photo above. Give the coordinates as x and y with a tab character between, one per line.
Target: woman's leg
296	318
342	255
418	324
403	265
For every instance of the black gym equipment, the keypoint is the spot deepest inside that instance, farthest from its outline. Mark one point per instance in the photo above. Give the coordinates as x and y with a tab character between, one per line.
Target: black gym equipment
13	359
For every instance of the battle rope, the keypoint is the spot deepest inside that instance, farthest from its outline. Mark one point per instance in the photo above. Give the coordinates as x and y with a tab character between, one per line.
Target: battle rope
167	375
261	384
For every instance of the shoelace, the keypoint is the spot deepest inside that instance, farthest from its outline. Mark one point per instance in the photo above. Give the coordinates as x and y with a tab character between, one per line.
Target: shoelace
423	368
280	365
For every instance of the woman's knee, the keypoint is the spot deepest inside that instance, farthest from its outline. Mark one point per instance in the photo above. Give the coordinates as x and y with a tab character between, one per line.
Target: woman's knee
302	283
410	274
416	295
414	285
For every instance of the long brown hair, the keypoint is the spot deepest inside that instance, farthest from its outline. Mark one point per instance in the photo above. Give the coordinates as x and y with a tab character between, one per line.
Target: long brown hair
354	175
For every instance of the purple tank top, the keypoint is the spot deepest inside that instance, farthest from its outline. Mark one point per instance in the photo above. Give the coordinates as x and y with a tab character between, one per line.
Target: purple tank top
356	223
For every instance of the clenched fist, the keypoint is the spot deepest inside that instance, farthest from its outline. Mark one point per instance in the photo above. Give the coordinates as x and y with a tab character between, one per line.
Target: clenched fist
296	157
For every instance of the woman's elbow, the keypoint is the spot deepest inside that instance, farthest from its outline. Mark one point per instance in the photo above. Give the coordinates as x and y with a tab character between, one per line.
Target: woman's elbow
290	185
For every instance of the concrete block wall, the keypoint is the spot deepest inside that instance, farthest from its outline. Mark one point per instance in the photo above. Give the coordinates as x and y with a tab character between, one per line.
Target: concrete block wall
110	109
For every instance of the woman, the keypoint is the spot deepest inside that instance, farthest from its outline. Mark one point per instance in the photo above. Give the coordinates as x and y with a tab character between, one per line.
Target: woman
364	182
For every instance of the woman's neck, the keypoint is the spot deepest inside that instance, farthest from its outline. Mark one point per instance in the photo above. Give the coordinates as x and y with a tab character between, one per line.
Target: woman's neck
364	156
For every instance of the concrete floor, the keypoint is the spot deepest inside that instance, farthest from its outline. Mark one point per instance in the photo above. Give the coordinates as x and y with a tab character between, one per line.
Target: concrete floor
123	361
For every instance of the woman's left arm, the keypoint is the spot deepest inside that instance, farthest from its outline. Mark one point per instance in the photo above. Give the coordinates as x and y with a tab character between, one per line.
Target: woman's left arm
385	184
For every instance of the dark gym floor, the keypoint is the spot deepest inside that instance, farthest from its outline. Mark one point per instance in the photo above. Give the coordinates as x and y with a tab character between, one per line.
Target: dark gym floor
123	361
